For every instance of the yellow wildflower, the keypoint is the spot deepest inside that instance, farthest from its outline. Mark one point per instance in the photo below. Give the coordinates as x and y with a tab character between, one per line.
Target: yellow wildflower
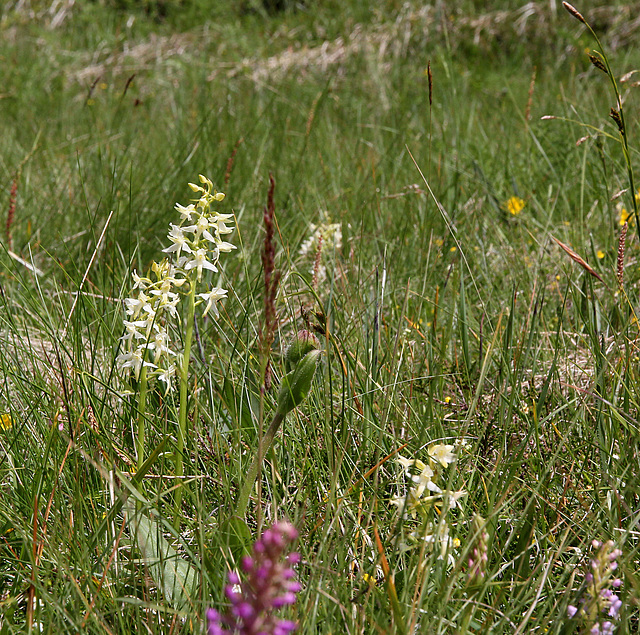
6	422
369	579
600	254
624	216
514	205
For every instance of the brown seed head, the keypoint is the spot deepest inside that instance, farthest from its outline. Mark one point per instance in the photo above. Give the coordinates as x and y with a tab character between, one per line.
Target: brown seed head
574	12
615	115
598	63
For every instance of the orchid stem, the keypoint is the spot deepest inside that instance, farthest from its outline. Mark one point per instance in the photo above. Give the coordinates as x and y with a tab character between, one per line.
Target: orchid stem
250	480
184	383
142	415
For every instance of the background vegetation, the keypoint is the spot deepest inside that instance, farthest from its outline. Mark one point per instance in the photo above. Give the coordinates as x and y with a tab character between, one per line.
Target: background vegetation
441	322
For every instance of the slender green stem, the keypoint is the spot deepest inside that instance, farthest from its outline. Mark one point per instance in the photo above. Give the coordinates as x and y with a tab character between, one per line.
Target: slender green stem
252	474
142	415
465	622
184	382
624	131
260	458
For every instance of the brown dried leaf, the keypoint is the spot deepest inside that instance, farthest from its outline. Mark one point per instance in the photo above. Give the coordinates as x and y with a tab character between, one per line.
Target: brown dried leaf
574	256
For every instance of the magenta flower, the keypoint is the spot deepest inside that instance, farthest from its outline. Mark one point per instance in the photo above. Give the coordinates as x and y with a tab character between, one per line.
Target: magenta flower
269	585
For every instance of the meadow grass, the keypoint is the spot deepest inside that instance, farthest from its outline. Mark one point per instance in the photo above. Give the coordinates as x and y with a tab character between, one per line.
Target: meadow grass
445	319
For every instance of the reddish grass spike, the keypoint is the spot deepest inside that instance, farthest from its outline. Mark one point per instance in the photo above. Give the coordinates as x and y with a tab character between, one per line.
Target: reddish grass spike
232	158
621	243
430	78
271	279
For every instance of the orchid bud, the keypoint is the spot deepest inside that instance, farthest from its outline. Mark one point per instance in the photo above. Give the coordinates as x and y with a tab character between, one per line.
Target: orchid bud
303	342
296	385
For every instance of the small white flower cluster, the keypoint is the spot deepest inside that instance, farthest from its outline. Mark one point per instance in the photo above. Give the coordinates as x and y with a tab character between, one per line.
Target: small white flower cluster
146	342
197	240
425	494
196	245
331	236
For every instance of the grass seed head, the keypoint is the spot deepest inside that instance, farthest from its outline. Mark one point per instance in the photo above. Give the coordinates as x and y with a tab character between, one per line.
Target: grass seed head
598	63
574	12
615	115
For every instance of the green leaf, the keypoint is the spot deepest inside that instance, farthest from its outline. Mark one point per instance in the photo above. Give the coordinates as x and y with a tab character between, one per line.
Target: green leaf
174	576
234	532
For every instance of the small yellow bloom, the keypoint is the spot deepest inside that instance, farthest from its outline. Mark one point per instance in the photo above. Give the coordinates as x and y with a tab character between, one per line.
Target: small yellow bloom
6	422
624	217
453	249
369	579
447	399
514	205
600	254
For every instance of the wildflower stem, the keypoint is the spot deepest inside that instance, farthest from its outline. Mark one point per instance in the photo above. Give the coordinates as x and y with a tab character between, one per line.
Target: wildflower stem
252	474
142	407
184	381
